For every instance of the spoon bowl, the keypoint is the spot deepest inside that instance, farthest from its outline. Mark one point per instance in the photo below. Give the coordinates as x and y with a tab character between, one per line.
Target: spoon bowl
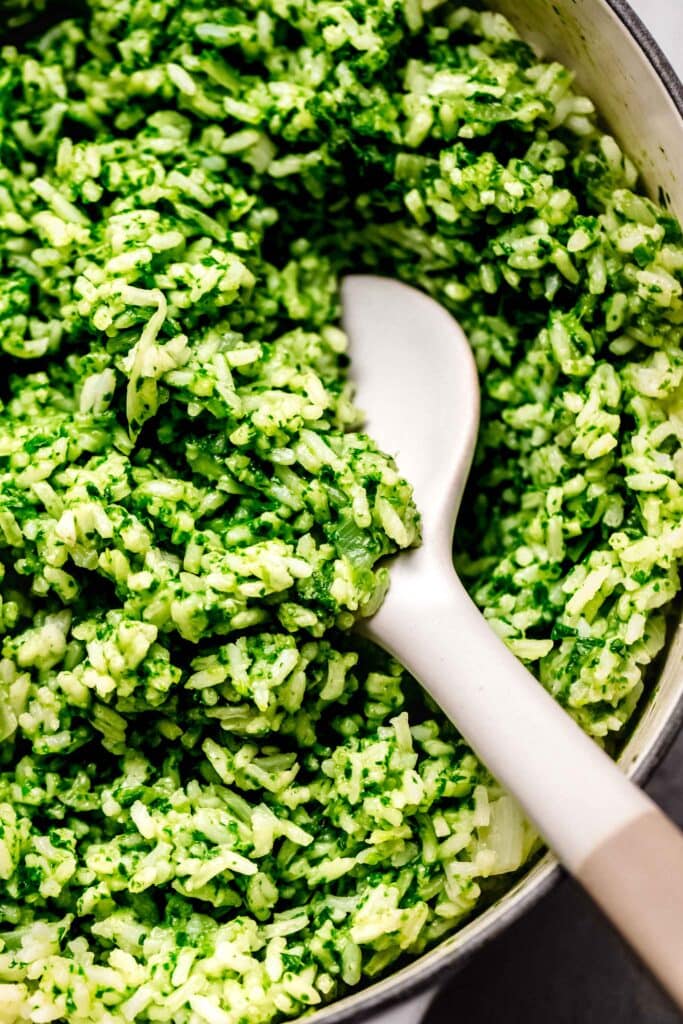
416	380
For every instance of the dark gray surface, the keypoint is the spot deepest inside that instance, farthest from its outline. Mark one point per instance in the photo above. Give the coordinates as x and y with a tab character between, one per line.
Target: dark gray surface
562	963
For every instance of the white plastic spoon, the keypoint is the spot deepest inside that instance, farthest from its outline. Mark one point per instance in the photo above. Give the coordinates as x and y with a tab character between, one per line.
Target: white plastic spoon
417	382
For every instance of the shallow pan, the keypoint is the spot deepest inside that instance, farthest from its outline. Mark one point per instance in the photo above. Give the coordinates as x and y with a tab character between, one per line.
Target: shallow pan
619	65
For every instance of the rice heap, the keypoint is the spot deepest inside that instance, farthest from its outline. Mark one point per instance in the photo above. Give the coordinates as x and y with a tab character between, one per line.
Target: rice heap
216	805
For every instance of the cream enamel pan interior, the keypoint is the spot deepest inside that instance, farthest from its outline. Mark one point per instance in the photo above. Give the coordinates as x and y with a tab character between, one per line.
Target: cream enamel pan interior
619	66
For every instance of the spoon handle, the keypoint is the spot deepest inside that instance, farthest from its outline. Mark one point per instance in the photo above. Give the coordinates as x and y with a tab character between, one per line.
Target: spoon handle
636	878
604	829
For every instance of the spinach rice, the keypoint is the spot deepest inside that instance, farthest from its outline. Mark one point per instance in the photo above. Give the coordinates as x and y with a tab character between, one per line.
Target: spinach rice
217	805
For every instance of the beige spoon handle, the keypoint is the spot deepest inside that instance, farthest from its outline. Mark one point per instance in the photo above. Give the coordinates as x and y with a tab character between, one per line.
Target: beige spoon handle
636	877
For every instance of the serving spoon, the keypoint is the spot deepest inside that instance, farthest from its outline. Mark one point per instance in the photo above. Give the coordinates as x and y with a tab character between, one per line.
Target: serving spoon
417	382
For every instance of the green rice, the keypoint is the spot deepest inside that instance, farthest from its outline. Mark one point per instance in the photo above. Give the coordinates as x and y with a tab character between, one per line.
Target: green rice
217	804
